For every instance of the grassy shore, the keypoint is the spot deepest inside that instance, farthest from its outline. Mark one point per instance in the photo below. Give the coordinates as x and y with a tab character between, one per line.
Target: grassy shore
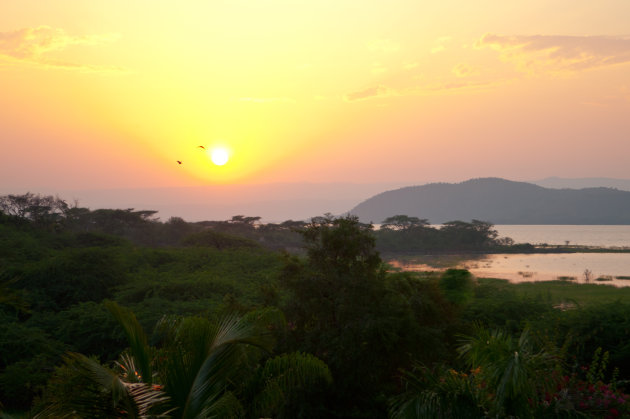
564	292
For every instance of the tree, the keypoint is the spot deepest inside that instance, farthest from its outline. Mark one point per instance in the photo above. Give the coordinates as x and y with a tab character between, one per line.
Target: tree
45	211
241	219
345	309
403	222
474	235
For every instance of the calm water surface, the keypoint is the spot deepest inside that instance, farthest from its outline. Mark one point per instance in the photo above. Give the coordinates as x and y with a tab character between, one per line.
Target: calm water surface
598	235
544	267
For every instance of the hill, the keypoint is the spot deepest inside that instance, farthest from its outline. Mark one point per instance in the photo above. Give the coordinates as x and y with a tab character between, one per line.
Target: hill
579	183
499	201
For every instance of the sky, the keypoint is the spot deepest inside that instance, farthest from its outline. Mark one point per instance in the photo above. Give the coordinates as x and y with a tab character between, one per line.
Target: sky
112	94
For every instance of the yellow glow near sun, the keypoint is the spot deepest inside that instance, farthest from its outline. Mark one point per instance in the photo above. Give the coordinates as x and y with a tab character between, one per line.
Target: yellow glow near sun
219	156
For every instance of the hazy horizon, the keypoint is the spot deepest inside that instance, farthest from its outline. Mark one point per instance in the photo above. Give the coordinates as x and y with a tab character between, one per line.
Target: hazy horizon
274	202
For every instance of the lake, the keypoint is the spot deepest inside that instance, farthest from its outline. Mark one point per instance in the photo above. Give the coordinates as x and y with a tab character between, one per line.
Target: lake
583	235
544	267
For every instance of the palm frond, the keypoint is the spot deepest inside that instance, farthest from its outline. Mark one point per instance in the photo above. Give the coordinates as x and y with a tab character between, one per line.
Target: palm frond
136	338
146	398
225	407
438	393
197	364
132	400
289	376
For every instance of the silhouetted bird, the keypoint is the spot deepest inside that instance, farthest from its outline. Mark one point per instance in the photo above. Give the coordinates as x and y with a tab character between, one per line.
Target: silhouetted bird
201	147
179	162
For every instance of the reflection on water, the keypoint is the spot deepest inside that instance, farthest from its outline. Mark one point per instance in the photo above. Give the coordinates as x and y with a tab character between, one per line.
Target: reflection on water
605	268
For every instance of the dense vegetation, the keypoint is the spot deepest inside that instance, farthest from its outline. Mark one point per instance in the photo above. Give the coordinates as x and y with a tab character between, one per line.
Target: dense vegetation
404	234
112	313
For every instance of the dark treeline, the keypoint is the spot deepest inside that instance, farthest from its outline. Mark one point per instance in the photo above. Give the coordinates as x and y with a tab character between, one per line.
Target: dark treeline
398	234
209	322
404	234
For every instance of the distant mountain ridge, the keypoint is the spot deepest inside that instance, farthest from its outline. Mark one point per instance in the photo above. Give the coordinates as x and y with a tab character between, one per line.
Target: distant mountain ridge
499	201
587	182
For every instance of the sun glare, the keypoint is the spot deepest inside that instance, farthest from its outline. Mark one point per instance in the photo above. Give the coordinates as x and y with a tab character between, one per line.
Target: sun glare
219	156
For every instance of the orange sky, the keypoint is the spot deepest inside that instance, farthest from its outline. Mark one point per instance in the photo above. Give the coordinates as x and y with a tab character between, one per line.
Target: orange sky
108	94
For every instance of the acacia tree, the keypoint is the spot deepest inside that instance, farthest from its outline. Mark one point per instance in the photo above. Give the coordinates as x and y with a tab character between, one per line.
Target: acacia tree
404	222
43	210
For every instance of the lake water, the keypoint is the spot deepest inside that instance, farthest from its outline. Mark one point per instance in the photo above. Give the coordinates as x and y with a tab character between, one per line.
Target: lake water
583	235
545	267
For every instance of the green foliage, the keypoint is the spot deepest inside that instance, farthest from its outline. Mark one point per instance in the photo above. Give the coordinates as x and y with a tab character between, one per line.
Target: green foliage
457	285
496	304
83	388
136	338
73	275
403	234
85	327
440	393
199	369
597	326
510	368
342	306
218	240
26	354
291	385
345	309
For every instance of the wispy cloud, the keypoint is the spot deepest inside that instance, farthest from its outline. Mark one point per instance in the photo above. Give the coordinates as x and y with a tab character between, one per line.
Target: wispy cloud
382	91
383	45
557	54
459	85
369	93
440	44
34	46
266	99
378	68
464	70
410	65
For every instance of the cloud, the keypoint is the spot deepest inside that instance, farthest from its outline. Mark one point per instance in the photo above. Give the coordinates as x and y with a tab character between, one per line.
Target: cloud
381	91
464	70
369	93
34	45
266	99
439	44
540	53
459	86
410	66
383	45
378	68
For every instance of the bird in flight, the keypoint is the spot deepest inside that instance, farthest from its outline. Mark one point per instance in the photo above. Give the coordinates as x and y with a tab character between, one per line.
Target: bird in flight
179	161
201	147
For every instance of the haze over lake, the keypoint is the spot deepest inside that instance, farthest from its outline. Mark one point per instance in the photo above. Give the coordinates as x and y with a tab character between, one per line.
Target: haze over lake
583	235
546	267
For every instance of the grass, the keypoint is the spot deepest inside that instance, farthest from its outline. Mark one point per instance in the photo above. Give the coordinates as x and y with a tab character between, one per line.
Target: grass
561	292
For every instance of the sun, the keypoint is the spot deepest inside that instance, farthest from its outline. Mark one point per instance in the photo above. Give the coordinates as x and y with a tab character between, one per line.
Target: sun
219	156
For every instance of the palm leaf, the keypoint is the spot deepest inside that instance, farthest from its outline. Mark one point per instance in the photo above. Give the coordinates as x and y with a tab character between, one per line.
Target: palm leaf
222	358
133	400
136	338
289	376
